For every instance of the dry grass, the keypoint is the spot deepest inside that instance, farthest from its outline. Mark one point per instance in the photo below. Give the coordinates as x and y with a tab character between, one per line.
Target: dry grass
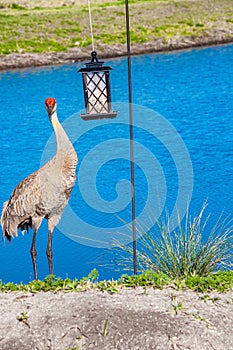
51	3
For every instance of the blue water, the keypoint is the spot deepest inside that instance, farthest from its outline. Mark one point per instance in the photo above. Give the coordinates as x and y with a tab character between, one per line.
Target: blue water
183	132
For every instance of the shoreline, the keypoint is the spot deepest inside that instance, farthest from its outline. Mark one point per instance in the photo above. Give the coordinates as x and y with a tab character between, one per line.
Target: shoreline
27	60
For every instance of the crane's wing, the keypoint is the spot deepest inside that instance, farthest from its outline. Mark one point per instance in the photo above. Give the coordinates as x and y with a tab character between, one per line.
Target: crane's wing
25	196
21	205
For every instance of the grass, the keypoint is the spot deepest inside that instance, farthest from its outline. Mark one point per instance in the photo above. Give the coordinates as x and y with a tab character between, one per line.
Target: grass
185	252
61	28
220	281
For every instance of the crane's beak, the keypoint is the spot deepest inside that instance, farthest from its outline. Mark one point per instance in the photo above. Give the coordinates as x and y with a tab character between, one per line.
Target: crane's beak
50	110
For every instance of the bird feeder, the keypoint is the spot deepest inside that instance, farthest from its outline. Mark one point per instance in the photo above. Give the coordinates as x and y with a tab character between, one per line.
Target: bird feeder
96	87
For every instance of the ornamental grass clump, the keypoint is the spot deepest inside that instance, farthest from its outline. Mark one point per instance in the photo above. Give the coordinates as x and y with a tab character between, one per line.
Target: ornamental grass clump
194	248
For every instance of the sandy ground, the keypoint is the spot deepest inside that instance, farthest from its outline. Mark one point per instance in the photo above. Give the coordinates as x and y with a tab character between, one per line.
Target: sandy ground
131	319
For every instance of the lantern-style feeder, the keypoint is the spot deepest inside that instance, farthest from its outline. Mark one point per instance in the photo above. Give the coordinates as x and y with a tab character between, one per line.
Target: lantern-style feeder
96	86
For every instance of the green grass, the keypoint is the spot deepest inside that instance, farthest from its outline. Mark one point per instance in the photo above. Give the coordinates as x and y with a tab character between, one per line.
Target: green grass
220	281
17	7
61	28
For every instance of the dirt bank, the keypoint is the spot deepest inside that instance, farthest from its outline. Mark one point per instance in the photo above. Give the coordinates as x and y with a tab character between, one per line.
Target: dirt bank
132	319
15	60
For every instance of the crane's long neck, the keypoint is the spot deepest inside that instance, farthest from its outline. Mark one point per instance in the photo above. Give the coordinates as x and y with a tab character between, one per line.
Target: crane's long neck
64	145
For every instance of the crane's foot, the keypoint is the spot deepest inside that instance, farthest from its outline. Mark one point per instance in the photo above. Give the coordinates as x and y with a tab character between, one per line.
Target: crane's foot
33	254
50	260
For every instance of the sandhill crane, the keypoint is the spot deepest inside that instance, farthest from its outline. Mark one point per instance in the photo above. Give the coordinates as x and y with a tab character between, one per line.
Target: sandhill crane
44	193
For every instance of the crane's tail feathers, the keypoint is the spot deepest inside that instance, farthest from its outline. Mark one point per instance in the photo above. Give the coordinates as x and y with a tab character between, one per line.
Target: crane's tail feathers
5	234
3	210
4	231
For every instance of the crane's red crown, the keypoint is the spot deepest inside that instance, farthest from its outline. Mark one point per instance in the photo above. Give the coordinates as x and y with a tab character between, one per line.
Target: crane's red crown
50	101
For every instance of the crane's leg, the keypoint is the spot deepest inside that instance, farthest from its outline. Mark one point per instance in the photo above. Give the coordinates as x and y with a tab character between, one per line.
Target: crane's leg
49	252
33	254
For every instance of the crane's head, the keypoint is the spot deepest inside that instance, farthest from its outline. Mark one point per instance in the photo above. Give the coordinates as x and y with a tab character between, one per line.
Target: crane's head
51	105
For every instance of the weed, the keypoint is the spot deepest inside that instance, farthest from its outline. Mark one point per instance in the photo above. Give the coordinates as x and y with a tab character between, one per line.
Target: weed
200	318
108	286
105	332
148	278
93	275
219	281
206	297
177	307
17	7
180	283
215	299
23	317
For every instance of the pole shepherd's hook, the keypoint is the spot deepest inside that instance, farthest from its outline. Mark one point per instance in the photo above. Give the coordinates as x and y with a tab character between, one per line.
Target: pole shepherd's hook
131	139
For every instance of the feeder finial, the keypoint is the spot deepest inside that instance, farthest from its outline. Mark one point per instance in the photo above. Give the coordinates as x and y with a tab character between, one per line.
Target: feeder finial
94	57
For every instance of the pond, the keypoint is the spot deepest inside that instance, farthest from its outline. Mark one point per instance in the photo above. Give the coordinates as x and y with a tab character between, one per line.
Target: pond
183	131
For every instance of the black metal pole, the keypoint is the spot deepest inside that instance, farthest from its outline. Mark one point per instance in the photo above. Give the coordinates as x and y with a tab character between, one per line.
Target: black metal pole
131	140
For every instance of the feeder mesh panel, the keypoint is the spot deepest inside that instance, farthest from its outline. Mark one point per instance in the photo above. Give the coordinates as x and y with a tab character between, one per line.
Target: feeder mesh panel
97	93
